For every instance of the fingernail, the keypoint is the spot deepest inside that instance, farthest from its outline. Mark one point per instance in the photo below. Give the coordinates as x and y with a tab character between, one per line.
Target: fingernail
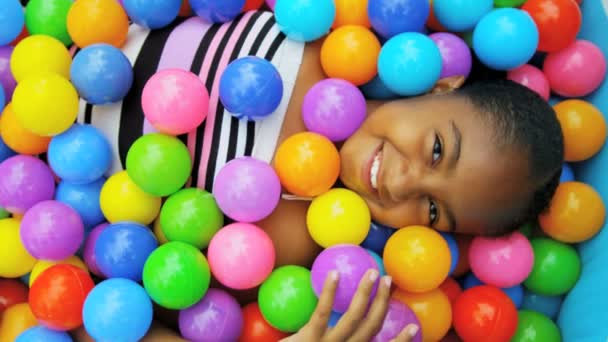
333	275
412	330
373	275
388	281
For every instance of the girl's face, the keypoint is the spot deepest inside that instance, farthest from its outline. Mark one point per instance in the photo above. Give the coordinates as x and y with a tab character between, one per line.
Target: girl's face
432	161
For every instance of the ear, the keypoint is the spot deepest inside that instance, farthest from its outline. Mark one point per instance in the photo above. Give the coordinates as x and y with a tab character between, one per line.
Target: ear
448	84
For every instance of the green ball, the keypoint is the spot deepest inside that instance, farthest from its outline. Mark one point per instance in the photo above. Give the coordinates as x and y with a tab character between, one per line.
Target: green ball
3	213
508	3
191	216
159	164
286	298
556	268
535	327
49	17
176	275
527	229
468	38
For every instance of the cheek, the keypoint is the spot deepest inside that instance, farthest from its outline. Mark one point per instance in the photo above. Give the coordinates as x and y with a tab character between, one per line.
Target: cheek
405	214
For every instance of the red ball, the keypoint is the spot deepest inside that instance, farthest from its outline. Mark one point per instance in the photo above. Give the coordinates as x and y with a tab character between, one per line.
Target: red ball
57	296
452	289
485	313
255	327
11	292
558	22
252	5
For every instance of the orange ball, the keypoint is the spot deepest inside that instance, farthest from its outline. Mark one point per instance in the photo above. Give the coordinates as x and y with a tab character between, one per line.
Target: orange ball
351	12
418	258
255	327
433	310
576	213
252	5
584	129
351	53
451	288
433	23
18	138
98	21
308	164
15	320
463	267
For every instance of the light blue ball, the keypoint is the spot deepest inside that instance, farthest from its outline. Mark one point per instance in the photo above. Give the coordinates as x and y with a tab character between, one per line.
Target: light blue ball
84	198
378	261
117	310
377	90
41	334
547	305
12	19
305	20
505	38
567	174
454	251
80	155
390	17
2	98
102	74
217	11
461	15
409	64
153	14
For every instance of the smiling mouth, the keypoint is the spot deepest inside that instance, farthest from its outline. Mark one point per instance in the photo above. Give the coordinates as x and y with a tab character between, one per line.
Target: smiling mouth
374	168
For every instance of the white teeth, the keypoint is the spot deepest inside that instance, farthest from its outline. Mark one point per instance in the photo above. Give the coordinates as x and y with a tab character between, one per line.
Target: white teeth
373	173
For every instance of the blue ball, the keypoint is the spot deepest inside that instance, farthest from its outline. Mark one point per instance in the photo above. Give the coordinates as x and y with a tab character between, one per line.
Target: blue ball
102	74
390	17
25	279
41	334
84	198
377	237
217	11
12	19
547	305
409	64
117	310
333	319
2	98
567	173
305	20
80	155
377	90
516	293
122	248
251	88
505	38
379	262
5	151
454	251
153	14
461	15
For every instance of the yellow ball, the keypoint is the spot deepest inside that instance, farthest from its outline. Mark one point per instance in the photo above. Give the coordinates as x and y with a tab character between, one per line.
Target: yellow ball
339	216
16	261
45	104
15	320
122	200
158	232
40	53
42	265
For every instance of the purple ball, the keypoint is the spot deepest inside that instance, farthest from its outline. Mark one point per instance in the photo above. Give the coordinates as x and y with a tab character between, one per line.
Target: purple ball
51	230
216	317
351	262
6	76
334	108
247	189
455	54
24	181
397	317
88	252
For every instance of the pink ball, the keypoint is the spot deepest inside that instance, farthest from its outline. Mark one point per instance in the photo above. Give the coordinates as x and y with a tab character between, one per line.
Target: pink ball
502	262
175	101
88	252
531	77
241	256
577	70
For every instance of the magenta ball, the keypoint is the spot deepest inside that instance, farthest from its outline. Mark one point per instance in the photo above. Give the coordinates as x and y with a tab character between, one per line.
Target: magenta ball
241	256
51	230
531	77
577	70
215	318
6	76
24	181
502	262
334	108
351	262
271	3
247	189
397	317
455	54
88	252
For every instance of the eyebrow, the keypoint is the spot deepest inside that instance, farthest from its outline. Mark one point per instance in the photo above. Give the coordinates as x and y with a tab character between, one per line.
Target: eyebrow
452	163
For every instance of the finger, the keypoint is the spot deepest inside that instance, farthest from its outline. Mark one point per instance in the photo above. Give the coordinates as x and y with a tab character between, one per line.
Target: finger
407	334
375	317
320	317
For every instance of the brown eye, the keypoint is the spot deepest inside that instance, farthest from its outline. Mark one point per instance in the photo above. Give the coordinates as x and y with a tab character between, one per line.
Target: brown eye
437	149
433	213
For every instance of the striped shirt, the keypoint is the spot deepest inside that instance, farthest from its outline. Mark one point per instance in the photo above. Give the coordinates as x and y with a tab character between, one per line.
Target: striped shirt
206	50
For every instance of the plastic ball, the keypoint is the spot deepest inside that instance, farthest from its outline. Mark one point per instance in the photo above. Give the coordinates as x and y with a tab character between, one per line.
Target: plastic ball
255	327
16	320
84	198
43	265
49	17
339	216
217	317
88	252
24	181
6	76
505	38
454	252
531	323
351	12
334	108
531	77
13	20
515	293
308	164
176	275
46	104
122	200
58	295
158	232
217	11
432	309
11	292
417	258
410	63
19	139
152	14
390	18
379	262
397	318
304	20
567	174
247	189
159	164
455	54
98	21
508	3
577	70
191	216
251	88
175	101
546	305
502	262
556	269
38	54
17	260
40	333
117	310
252	5
583	127
271	3
377	237
351	262
558	22
377	90
461	15
451	288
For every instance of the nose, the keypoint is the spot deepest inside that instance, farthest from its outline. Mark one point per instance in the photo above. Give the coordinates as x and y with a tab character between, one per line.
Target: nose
409	180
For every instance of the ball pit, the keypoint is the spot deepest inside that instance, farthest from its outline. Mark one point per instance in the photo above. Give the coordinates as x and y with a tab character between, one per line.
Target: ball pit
433	310
11	292
13	19
88	252
461	15
40	333
19	139
153	15
15	320
48	18
18	261
558	22
531	323
39	53
351	12
107	16
390	18
255	327
122	200
304	20
24	181
84	198
583	127
217	11
42	265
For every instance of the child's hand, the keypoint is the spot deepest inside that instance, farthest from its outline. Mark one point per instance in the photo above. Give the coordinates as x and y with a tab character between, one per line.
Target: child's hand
354	325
